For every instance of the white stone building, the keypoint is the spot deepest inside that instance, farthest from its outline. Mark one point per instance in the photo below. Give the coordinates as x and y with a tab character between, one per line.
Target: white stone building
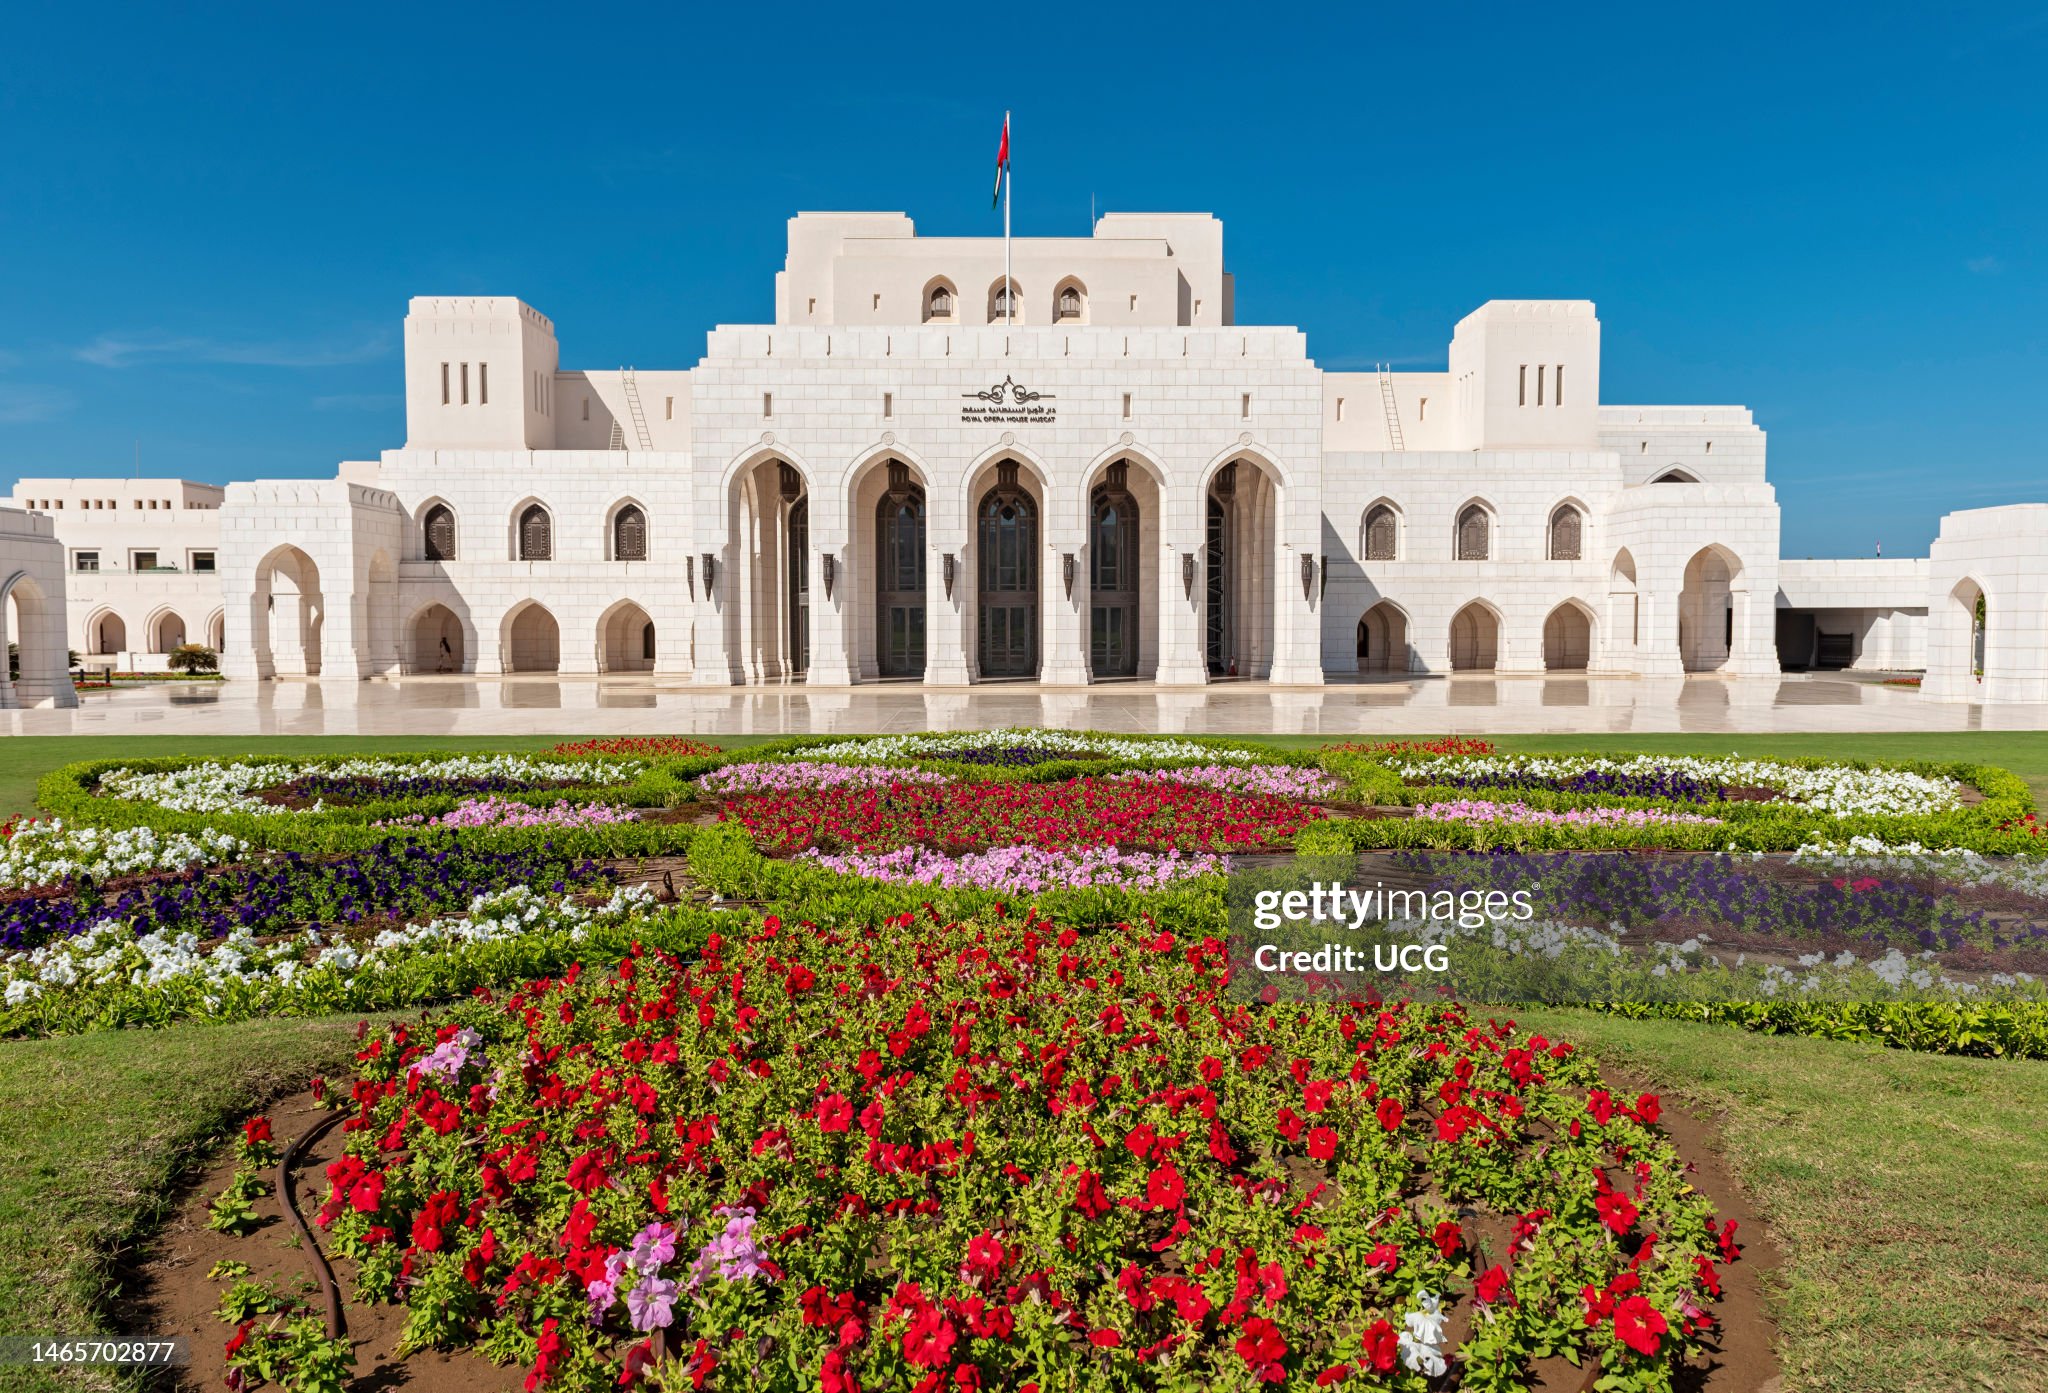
906	476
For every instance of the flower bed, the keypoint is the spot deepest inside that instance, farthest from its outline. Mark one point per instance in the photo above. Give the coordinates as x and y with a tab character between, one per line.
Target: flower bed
1483	810
1841	790
1656	783
639	747
1262	780
204	787
50	853
1024	869
1078	813
1066	744
1009	1157
498	812
789	776
110	976
394	879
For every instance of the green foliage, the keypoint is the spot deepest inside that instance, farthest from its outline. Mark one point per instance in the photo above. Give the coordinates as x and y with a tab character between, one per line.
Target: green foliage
194	657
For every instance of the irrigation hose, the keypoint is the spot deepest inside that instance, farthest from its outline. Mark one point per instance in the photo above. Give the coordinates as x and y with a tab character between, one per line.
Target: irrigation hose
286	1190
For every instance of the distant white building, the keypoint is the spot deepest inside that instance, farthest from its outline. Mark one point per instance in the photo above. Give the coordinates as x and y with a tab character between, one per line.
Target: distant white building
917	473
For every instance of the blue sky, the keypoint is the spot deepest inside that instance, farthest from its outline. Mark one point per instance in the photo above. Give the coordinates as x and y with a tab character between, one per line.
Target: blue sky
211	217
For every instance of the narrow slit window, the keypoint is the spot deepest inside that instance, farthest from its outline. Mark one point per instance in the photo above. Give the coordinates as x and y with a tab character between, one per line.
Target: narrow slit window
1522	388
888	405
767	404
669	409
1557	396
1127	406
1422	409
465	384
483	384
1539	384
1244	406
1340	408
444	384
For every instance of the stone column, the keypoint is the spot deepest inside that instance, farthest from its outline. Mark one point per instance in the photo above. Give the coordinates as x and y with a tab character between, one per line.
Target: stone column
1062	629
946	635
1182	662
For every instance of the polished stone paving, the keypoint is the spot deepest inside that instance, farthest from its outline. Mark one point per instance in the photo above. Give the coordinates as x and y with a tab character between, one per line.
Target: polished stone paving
429	706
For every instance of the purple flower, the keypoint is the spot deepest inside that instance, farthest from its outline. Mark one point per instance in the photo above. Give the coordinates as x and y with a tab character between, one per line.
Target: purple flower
652	1303
653	1246
732	1253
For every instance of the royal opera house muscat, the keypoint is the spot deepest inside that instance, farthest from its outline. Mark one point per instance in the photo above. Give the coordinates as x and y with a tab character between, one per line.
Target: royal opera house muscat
1093	472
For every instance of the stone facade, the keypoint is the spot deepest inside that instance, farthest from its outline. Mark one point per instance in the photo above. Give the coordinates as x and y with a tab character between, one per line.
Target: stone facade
32	613
1102	476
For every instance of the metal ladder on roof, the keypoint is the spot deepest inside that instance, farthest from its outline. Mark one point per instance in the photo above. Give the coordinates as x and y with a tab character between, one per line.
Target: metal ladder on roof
1393	412
632	386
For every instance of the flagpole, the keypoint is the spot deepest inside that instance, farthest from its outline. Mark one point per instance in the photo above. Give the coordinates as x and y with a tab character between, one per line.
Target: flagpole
1009	285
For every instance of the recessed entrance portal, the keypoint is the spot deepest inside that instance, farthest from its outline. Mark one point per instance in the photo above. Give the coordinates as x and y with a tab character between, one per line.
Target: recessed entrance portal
1007	545
899	576
1113	576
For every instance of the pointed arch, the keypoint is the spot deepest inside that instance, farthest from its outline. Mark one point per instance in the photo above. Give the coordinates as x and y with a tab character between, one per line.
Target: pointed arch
1568	637
1475	531
1070	302
940	302
1676	476
1564	530
628	530
1475	637
531	530
530	638
165	630
1383	639
439	532
625	638
440	639
1379	530
1000	312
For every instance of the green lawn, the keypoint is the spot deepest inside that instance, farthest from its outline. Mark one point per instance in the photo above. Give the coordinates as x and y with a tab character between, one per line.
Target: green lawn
1908	1191
99	1128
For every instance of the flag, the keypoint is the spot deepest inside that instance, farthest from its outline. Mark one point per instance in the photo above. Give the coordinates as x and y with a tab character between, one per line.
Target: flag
1002	161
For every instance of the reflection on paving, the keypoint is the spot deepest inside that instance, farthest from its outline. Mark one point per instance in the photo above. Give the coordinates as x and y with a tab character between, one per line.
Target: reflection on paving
634	705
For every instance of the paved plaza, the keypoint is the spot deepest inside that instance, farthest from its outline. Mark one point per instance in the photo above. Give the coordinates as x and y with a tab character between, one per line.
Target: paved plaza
646	705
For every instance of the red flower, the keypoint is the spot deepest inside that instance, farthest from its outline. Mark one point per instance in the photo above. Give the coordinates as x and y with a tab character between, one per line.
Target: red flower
1262	1347
1335	1374
550	1354
1600	1103
834	1113
1105	1339
1390	1114
1164	1188
1639	1325
1384	1256
928	1340
1382	1348
587	1173
1322	1144
255	1130
1648	1108
1316	1096
1617	1211
1219	1144
241	1338
1491	1284
1089	1196
1448	1238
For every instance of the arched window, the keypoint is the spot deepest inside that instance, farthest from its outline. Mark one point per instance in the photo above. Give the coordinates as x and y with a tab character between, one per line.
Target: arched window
439	527
1474	529
536	535
999	297
629	534
1381	538
1068	310
1566	530
938	302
